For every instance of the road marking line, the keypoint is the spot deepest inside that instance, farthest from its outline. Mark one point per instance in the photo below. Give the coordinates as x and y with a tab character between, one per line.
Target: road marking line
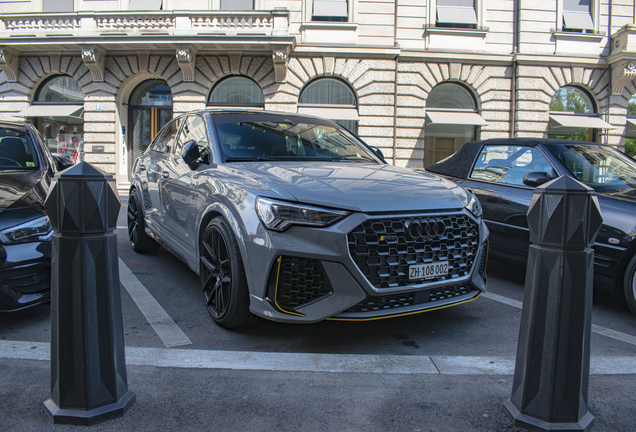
299	362
623	337
169	332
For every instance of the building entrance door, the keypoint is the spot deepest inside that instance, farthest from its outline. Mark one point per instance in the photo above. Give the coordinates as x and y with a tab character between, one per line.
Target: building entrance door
149	109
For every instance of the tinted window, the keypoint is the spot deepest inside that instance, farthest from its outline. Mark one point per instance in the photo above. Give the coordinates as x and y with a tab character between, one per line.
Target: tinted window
270	137
164	142
193	129
509	164
17	150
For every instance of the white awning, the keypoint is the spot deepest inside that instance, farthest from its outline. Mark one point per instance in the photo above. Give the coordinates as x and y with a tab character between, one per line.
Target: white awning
51	111
578	20
330	8
458	118
578	121
456	15
145	5
330	113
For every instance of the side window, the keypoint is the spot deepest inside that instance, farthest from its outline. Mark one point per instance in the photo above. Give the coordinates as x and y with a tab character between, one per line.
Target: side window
164	142
193	129
509	164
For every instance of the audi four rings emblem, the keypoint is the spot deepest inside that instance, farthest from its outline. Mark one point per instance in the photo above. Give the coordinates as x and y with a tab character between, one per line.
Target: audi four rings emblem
420	228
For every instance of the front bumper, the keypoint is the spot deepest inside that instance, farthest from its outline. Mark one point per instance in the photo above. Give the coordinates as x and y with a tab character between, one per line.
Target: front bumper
309	275
25	275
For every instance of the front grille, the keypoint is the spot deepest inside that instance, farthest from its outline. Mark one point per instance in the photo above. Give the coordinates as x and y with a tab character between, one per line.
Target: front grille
29	279
297	281
383	250
397	301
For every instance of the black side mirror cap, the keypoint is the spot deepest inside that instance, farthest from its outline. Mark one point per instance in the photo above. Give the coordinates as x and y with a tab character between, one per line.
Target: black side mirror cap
535	179
191	154
376	151
62	162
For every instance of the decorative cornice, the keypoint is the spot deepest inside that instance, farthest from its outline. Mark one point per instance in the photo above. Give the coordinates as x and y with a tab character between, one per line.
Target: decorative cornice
622	74
94	59
9	63
185	58
281	59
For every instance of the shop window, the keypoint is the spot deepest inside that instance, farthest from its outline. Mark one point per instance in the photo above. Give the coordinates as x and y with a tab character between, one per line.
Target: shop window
330	10
237	5
456	14
237	91
630	129
573	115
577	16
330	98
451	121
56	111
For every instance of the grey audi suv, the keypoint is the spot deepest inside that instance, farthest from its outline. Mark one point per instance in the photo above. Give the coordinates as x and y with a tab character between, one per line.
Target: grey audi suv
294	219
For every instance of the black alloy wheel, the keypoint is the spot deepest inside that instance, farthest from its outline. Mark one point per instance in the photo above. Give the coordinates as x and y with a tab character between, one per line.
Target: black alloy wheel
629	285
223	281
139	240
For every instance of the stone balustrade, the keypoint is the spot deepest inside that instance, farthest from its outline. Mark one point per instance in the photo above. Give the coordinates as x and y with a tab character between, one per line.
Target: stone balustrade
87	24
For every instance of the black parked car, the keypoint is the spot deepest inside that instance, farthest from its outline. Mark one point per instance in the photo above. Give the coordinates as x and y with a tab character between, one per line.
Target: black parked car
26	171
504	172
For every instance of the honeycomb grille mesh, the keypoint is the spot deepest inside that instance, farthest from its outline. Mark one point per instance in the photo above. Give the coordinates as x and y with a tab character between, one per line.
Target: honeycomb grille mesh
300	281
383	250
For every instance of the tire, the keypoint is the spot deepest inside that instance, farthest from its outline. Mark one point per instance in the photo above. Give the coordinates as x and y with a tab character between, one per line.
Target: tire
629	285
139	240
223	280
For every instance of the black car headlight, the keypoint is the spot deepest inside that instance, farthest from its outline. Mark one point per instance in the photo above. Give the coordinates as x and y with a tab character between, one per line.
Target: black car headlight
39	229
474	206
280	215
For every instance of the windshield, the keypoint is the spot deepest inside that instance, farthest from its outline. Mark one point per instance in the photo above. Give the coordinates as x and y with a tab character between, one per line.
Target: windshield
16	150
600	167
254	137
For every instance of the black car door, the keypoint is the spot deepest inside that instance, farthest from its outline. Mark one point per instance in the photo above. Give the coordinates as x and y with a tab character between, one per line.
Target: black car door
497	180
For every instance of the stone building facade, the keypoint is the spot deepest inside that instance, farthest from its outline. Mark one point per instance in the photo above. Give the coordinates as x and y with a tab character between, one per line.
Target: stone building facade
511	57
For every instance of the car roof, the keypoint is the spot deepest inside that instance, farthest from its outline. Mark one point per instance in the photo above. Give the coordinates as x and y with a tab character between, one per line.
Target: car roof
460	163
13	124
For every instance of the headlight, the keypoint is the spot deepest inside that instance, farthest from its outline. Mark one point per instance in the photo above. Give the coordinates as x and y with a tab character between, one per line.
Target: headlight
36	230
474	207
279	215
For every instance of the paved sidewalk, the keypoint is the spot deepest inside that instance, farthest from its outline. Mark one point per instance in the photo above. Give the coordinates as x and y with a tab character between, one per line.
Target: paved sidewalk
198	399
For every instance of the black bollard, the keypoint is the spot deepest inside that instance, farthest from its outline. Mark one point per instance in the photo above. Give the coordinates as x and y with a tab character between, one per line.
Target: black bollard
550	386
88	366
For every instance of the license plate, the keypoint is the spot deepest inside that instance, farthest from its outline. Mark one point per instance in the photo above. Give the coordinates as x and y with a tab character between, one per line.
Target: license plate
428	271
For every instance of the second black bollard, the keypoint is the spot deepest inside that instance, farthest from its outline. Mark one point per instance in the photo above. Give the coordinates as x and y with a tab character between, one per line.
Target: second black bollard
88	367
550	386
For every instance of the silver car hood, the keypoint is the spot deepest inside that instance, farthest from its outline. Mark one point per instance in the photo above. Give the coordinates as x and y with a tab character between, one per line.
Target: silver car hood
356	186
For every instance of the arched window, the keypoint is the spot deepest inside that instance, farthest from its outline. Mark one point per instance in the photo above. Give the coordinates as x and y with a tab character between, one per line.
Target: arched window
332	99
573	115
451	121
630	129
237	91
56	111
149	109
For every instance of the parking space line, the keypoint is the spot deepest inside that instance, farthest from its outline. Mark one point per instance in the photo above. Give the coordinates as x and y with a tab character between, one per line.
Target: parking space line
304	362
623	337
167	330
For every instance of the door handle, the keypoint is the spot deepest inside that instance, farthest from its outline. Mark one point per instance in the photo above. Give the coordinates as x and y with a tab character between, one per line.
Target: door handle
142	167
165	174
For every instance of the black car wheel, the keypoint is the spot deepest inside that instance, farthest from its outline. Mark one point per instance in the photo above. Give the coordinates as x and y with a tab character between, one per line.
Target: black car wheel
223	280
139	240
629	285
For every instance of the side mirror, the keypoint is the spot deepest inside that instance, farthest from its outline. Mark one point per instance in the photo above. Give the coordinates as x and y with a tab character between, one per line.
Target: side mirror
191	154
62	162
376	151
535	179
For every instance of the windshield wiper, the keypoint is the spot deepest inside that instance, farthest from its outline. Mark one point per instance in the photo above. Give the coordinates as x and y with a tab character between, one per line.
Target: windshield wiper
247	159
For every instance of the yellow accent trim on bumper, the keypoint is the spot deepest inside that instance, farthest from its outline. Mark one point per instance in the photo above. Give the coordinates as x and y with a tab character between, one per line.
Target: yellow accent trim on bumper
404	314
280	261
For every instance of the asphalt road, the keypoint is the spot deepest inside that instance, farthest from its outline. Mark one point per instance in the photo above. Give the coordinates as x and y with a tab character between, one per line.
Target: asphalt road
460	397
